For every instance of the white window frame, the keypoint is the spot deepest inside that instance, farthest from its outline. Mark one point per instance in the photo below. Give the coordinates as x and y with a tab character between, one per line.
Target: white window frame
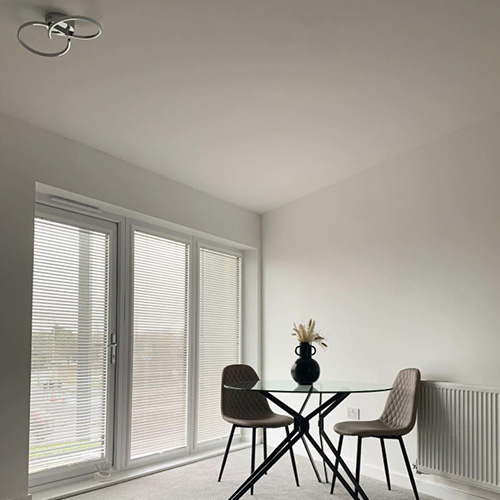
237	253
132	226
193	327
122	283
55	214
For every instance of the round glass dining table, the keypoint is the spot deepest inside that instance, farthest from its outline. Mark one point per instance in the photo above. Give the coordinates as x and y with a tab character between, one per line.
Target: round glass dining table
334	393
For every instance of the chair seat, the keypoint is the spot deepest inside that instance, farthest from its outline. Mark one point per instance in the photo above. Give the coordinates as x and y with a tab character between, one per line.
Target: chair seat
272	421
366	428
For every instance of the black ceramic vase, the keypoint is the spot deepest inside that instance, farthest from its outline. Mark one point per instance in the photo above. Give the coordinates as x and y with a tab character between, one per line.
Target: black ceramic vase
305	371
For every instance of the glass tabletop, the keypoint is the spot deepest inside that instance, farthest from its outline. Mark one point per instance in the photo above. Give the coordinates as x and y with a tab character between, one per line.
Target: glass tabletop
326	386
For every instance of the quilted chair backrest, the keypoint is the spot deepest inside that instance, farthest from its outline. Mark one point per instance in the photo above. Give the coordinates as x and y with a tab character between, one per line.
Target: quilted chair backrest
400	410
246	405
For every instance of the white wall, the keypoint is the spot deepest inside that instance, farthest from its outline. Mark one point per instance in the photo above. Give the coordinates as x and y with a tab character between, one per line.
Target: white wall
29	155
400	267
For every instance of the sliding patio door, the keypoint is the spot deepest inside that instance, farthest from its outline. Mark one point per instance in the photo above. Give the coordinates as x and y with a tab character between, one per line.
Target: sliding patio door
73	336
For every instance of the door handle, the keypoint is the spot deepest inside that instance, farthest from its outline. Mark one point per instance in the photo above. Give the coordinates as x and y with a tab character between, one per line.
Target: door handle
113	349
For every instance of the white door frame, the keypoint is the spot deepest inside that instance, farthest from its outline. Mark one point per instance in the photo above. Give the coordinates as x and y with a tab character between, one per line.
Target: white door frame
97	224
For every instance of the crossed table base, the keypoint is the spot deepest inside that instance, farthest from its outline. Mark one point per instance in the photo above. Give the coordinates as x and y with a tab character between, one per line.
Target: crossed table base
301	431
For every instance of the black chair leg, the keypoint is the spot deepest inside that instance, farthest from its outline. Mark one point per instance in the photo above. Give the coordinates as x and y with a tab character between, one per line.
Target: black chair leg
226	452
292	458
339	449
264	443
358	465
252	467
386	465
408	468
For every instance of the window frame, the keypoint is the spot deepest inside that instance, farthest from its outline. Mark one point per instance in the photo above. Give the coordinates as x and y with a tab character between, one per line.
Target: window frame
193	336
200	243
120	437
52	213
133	225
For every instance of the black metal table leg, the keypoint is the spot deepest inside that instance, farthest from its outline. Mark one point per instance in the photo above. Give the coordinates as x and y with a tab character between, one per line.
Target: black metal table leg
321	440
342	463
311	459
301	430
277	453
292	458
304	442
339	449
323	411
338	475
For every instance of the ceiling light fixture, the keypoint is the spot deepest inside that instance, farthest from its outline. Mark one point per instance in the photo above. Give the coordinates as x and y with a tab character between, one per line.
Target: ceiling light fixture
58	24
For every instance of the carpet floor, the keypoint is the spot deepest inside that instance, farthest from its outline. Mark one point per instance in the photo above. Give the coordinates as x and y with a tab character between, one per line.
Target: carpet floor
198	481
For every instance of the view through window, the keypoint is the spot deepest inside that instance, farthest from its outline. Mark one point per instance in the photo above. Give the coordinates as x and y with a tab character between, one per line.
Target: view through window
218	336
160	343
182	325
69	372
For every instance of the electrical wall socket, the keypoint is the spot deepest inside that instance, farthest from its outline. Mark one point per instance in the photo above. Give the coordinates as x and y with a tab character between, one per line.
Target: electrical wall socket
353	413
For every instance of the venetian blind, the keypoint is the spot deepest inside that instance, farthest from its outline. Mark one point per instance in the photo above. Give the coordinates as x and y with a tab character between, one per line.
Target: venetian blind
69	345
160	333
219	335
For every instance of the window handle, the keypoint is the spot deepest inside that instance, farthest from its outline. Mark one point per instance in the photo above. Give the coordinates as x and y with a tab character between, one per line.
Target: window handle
113	349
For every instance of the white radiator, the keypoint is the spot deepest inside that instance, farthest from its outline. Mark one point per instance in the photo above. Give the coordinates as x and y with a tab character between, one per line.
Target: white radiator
458	433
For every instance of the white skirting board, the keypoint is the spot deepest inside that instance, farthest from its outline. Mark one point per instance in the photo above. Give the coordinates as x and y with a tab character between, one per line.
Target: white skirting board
426	486
440	488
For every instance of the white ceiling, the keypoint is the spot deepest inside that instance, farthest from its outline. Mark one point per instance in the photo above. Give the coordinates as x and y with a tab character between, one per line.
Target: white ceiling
258	102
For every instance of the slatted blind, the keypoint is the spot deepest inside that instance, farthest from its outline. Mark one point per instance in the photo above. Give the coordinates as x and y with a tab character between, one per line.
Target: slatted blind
219	335
69	345
160	335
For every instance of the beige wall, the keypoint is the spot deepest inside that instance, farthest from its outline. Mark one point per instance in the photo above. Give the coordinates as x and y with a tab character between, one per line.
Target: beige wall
28	155
400	267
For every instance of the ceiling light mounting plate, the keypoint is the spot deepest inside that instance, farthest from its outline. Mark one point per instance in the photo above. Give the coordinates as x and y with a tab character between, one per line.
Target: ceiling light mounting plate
58	25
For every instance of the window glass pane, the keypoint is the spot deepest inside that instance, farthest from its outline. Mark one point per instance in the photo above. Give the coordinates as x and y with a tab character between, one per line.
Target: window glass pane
160	333
69	345
219	335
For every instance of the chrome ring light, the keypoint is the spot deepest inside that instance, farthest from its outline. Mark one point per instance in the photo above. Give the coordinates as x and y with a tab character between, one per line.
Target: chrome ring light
58	24
68	27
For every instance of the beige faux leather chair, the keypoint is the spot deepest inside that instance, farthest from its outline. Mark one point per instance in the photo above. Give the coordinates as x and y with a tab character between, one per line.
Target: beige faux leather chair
249	409
397	420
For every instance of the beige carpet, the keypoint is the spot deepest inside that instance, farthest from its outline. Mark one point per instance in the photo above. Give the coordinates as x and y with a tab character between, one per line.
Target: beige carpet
199	482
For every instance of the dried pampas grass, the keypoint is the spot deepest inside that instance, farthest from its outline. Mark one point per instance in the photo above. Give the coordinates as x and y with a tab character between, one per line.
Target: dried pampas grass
306	333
